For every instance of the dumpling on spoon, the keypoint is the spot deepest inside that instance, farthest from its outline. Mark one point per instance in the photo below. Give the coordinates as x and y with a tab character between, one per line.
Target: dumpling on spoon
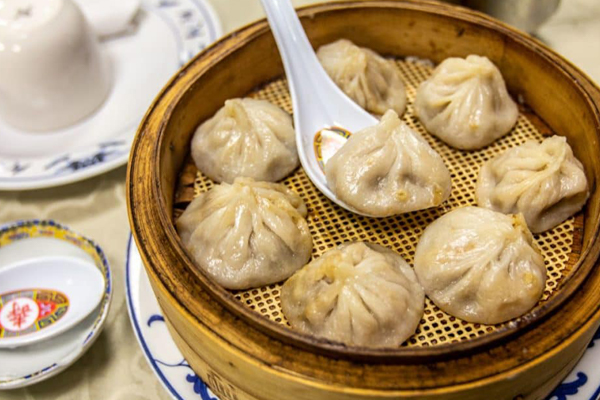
247	234
372	81
246	138
388	169
360	294
465	103
543	181
480	265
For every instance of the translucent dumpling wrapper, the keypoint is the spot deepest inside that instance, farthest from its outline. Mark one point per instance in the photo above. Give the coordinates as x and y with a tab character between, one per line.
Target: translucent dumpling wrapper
388	169
372	81
246	138
360	294
543	181
480	265
247	234
465	103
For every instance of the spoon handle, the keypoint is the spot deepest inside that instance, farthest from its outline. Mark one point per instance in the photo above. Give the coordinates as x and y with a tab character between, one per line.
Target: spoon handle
317	101
304	72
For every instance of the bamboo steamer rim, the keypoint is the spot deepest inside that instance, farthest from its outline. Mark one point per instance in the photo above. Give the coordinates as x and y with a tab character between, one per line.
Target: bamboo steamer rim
159	220
459	387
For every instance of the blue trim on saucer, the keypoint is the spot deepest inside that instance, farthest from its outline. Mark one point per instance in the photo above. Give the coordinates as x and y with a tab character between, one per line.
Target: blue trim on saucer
186	36
173	28
212	30
102	155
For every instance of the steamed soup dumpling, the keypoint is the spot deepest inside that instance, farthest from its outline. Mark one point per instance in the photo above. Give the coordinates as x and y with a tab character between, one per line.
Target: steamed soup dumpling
370	80
247	234
465	103
543	181
388	169
360	294
480	265
246	138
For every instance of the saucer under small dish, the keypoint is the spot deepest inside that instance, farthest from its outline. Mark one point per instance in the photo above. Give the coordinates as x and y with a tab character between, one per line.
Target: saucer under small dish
33	363
166	35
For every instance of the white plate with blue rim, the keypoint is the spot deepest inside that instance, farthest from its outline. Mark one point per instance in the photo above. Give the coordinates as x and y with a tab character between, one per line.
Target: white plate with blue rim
26	365
167	34
178	378
165	359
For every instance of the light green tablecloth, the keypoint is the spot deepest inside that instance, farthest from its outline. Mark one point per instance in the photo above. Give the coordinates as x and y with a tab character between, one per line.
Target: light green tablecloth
115	368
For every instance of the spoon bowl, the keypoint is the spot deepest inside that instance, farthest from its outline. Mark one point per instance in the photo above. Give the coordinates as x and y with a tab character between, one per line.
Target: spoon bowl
45	296
321	108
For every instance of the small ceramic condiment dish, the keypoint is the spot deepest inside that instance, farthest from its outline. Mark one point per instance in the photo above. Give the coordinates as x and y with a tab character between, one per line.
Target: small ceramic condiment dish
45	296
26	240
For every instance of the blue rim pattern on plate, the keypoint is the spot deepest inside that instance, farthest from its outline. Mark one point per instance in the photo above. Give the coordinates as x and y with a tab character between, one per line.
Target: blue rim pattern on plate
95	252
199	387
70	163
194	27
577	380
570	389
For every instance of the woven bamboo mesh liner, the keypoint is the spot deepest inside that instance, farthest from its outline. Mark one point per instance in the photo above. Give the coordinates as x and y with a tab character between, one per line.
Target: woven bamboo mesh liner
331	225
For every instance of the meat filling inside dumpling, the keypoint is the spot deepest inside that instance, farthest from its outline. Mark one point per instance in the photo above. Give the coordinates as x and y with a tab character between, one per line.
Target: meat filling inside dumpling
359	294
246	138
370	80
480	265
388	169
465	103
543	181
247	234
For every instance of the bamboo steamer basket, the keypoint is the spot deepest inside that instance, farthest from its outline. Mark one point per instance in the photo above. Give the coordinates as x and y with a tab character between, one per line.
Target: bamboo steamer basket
239	343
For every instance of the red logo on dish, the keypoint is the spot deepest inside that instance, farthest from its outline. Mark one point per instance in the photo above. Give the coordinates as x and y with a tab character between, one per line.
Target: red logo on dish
19	314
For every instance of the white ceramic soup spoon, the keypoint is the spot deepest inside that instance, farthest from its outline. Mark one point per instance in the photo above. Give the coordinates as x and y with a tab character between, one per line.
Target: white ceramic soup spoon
321	108
45	296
